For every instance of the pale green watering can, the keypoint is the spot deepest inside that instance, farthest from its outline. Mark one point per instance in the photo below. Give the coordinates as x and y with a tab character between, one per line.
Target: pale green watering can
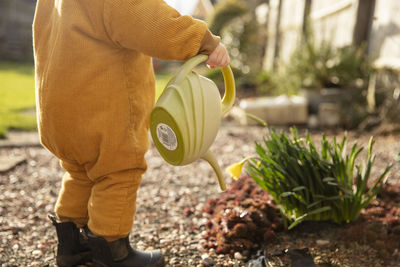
187	116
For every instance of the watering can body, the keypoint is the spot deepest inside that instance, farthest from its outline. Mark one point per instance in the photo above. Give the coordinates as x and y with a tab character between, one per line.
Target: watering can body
186	118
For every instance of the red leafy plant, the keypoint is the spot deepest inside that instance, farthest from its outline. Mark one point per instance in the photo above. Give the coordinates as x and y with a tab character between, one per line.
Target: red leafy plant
242	217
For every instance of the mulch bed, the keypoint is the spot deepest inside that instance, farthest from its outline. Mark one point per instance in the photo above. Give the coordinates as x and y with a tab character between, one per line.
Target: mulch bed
177	207
245	219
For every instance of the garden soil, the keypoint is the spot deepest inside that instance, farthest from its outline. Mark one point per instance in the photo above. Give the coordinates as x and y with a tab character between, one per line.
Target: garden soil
175	212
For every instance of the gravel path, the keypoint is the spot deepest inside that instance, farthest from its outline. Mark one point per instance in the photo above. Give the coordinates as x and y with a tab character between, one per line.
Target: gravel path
169	201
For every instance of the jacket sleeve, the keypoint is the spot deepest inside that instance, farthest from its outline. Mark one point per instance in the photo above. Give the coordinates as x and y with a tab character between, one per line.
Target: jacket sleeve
156	29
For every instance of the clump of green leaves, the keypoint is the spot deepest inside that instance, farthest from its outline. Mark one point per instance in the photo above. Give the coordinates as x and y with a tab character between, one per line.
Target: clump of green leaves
321	65
224	12
315	185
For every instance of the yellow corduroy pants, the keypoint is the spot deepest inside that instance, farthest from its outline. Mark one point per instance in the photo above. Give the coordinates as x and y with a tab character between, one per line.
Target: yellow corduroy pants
107	204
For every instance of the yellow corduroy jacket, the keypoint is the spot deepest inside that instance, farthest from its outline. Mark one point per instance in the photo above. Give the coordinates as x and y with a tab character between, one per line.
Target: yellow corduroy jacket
94	76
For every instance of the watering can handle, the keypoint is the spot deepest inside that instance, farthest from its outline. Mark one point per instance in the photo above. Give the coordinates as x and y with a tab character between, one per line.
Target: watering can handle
230	91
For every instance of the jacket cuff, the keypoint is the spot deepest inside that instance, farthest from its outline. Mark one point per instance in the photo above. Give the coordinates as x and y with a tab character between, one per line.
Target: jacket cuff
209	43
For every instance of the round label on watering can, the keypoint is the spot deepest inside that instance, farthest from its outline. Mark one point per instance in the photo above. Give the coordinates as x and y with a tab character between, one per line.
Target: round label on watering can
166	136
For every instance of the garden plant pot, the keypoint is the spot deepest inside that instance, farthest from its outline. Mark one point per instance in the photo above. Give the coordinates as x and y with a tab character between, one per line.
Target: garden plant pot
346	106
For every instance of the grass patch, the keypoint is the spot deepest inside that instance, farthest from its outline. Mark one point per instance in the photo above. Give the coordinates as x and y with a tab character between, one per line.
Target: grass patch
17	93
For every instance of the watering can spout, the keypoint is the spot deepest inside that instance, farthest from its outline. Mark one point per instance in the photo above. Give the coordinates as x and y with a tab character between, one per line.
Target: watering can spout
210	158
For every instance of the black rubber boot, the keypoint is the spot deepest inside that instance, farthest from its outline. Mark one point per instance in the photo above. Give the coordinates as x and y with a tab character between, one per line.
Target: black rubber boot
119	253
73	248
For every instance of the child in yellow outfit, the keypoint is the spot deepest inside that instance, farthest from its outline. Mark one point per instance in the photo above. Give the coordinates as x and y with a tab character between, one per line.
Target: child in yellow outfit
95	91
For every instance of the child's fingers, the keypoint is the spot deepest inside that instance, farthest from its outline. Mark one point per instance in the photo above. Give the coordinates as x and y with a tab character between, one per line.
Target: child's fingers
212	60
210	67
225	61
218	58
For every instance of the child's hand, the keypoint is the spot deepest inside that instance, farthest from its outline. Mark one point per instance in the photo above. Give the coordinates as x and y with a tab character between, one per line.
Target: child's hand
218	58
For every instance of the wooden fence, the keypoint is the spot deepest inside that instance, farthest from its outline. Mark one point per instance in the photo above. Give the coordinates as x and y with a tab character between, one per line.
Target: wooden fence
342	22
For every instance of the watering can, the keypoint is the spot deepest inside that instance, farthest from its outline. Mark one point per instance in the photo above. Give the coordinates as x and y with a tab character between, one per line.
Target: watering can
186	117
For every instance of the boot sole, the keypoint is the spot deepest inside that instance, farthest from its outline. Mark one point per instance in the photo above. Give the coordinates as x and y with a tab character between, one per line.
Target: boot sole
74	260
157	264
